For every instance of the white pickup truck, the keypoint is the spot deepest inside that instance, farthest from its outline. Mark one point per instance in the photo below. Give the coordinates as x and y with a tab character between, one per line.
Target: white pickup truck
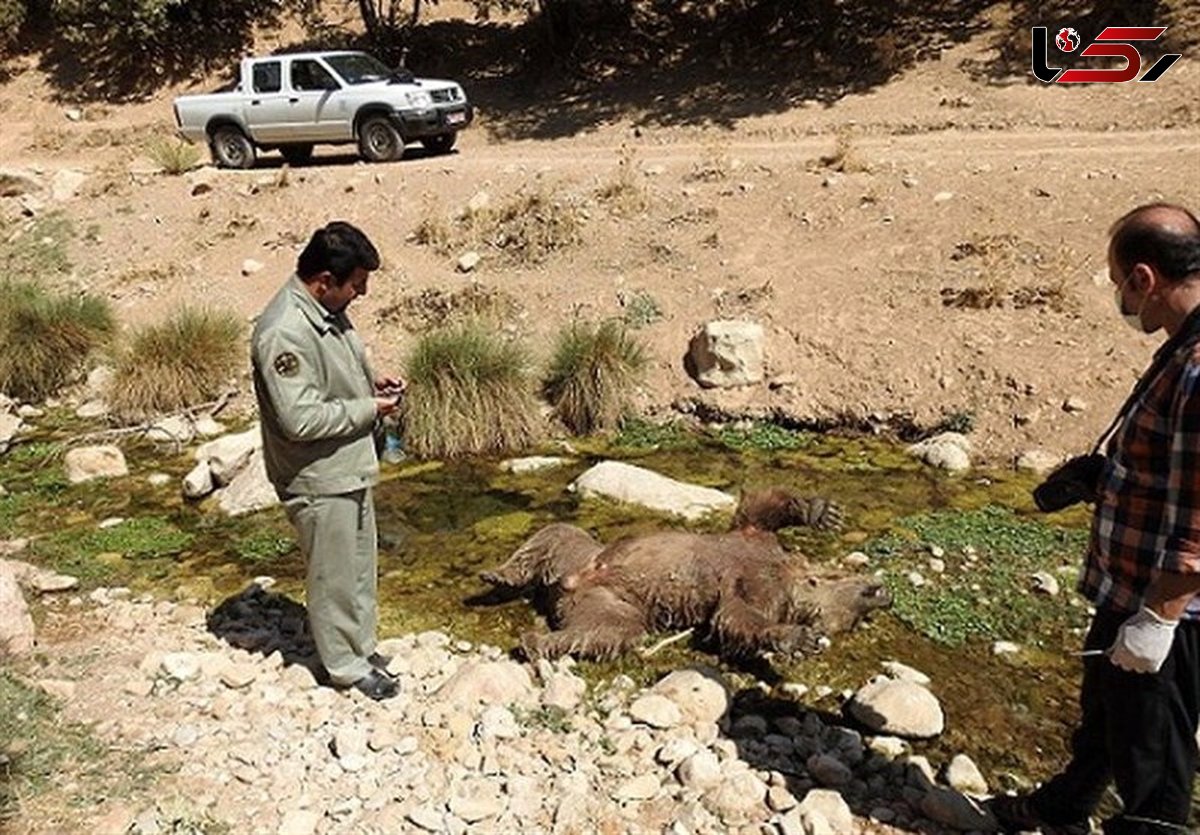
293	102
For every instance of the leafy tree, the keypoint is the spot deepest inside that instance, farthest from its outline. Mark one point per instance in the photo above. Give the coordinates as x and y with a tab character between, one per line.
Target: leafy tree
12	15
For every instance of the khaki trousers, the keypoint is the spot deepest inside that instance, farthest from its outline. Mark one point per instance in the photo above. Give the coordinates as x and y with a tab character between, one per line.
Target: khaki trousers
337	538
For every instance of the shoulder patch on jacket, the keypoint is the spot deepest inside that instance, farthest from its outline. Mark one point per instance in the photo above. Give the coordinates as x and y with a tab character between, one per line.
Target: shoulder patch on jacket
286	364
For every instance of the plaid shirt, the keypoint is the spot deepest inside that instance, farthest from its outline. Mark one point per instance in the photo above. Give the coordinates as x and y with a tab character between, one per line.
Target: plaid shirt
1148	516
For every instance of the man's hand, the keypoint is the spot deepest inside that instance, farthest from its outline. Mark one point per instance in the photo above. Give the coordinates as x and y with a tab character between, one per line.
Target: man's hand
384	406
1143	642
390	387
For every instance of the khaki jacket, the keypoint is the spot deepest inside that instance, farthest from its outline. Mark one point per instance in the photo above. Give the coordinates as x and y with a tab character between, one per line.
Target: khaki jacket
315	393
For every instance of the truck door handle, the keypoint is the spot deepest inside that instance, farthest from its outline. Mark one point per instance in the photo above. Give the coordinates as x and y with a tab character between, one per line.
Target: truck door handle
255	101
294	100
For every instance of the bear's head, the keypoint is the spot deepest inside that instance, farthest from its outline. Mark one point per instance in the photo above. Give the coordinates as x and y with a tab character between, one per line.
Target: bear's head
836	602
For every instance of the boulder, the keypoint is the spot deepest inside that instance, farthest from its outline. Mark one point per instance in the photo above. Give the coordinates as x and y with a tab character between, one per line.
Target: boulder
488	683
531	464
950	451
65	184
227	455
948	807
10	425
16	624
199	482
898	708
92	462
635	485
700	695
829	805
964	775
250	489
727	353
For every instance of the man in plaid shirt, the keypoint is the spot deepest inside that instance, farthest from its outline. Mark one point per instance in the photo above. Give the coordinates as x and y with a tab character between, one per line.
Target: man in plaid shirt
1140	696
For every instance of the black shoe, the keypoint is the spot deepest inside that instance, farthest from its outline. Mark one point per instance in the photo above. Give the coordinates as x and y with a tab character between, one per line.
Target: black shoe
1017	814
379	661
377	685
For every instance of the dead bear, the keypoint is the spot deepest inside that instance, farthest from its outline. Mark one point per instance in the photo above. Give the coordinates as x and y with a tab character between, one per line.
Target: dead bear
750	593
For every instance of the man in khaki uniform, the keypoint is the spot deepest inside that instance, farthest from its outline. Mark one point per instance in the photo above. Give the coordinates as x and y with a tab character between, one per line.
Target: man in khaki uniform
320	403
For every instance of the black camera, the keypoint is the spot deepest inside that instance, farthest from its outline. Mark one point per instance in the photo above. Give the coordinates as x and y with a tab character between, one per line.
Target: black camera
1076	480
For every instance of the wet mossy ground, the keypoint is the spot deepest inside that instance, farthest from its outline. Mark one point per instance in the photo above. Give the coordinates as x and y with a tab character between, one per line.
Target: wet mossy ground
441	523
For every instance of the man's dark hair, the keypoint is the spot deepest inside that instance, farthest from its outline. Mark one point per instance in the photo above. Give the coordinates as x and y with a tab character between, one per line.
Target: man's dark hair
1163	235
339	249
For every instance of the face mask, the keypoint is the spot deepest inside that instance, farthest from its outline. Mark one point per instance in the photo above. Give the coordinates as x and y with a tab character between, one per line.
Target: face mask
1134	320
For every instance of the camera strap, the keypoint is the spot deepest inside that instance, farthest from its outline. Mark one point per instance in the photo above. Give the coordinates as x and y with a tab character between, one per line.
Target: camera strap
1188	333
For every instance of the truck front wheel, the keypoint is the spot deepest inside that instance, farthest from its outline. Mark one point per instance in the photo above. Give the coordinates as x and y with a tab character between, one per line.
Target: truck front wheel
440	144
378	139
230	148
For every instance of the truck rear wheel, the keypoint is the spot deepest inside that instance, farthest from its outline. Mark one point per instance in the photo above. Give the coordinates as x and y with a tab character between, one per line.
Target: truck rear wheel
378	140
440	144
230	148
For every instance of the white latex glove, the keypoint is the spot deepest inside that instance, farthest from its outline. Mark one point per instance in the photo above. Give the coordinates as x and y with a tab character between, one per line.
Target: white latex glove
1143	642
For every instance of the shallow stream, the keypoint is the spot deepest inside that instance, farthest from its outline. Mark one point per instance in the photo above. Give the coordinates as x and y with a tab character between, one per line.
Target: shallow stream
974	540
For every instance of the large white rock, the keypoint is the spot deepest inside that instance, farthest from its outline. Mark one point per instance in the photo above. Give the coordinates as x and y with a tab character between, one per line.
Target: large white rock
964	775
10	425
635	485
487	683
199	482
830	805
531	464
228	455
655	710
701	695
250	489
175	430
727	353
65	184
1039	461
899	708
90	462
16	624
950	451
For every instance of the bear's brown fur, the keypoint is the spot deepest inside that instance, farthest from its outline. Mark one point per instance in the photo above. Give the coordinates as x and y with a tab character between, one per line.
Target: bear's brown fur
751	593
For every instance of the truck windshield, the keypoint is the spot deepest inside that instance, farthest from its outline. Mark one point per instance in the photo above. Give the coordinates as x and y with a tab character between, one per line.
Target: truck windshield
359	68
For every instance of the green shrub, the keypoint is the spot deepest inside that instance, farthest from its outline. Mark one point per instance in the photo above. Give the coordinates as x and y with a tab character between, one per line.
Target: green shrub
47	338
181	362
469	391
591	375
173	156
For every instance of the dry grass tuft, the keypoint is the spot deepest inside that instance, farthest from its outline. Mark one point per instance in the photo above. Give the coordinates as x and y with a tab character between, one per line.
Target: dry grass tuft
180	362
173	156
47	338
846	156
591	375
436	308
622	193
469	391
1004	270
525	229
713	166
